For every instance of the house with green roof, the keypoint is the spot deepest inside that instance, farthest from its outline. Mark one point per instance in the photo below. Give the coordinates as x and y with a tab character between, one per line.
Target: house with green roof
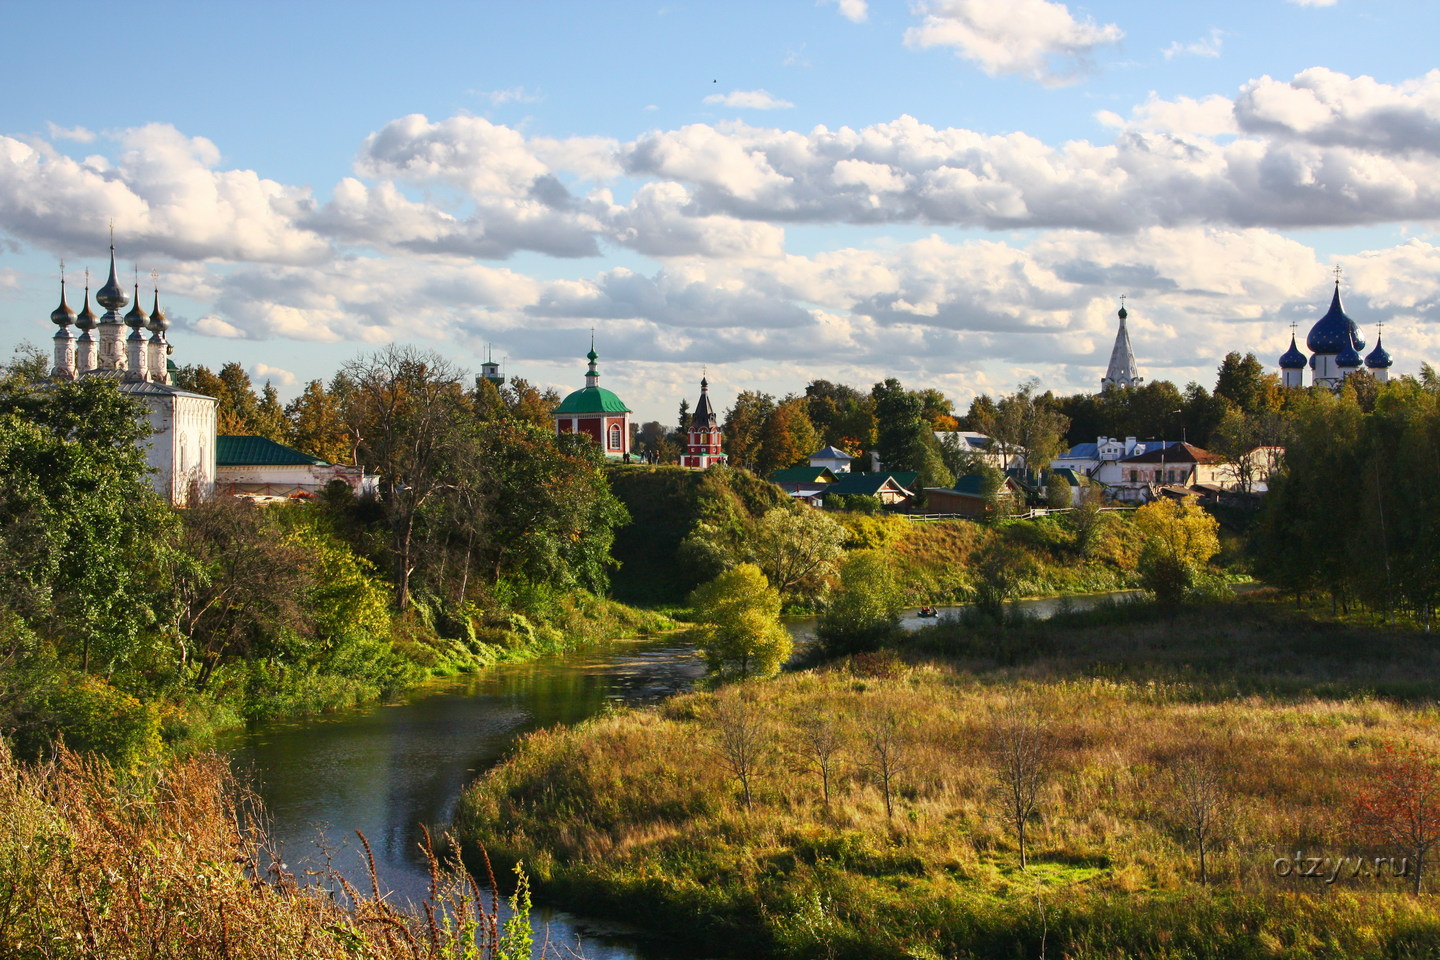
260	467
967	497
804	483
884	486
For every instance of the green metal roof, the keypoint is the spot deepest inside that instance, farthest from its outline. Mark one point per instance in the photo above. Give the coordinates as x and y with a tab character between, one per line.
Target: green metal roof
260	451
802	475
861	483
592	400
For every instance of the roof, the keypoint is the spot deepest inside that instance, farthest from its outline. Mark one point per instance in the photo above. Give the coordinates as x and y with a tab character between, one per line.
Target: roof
704	415
149	388
1379	357
905	478
1081	451
1334	332
1069	476
592	400
803	475
1292	359
970	485
867	484
1175	453
260	451
831	453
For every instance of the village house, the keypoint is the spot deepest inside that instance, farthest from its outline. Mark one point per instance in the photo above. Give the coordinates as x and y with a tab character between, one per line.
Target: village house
967	497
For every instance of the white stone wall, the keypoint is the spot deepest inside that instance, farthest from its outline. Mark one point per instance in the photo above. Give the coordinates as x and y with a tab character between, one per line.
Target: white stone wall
182	451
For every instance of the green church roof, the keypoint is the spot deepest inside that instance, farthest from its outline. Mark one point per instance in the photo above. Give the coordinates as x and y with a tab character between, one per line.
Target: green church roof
260	451
592	400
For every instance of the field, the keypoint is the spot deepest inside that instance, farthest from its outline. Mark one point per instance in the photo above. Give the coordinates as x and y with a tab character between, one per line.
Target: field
707	817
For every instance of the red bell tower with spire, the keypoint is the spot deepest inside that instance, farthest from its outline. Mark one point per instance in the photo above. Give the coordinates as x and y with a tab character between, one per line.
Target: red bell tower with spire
703	435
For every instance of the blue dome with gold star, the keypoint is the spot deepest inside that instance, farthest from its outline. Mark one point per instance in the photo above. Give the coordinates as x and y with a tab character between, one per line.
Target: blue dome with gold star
1335	331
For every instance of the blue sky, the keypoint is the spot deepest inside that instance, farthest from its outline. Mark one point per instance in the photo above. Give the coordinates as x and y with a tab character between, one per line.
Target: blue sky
954	192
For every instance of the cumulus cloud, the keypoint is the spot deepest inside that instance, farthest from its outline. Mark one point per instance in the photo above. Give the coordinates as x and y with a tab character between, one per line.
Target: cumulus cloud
77	133
1035	39
166	194
1326	108
510	95
749	100
1204	47
856	11
265	372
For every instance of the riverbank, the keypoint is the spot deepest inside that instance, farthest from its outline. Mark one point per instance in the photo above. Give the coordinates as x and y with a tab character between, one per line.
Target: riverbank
1284	715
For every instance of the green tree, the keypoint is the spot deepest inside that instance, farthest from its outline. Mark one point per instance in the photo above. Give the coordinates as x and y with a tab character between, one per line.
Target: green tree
898	424
314	425
797	548
1177	539
787	438
741	636
865	611
745	428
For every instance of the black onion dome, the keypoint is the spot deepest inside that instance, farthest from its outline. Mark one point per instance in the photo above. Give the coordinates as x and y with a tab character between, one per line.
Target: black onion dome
1292	359
1335	331
159	323
137	318
1379	358
112	296
86	318
62	316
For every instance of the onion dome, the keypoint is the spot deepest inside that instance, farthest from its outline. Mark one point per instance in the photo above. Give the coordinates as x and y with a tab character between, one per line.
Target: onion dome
592	398
62	316
159	323
704	415
112	296
1335	331
85	319
137	318
1123	313
1348	358
1379	358
1292	359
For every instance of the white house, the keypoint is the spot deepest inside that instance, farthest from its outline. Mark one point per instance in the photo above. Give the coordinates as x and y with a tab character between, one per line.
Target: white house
834	459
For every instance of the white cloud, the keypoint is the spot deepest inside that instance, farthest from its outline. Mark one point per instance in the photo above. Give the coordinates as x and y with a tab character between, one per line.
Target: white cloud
77	133
263	371
510	95
749	100
1035	39
1314	3
1204	47
856	11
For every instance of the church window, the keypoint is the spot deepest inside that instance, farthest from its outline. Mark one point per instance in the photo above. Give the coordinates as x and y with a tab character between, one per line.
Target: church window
614	437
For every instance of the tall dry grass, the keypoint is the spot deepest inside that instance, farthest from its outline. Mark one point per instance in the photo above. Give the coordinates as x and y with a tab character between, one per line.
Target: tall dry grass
639	812
175	864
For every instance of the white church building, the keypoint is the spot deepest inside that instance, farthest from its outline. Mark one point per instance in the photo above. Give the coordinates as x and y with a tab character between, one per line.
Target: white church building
182	448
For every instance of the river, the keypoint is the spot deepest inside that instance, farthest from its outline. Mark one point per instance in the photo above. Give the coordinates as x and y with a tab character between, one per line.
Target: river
385	769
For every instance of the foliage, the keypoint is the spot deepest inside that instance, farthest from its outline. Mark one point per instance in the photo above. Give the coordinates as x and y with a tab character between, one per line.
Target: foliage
617	817
742	636
797	549
865	610
1177	539
97	863
1400	806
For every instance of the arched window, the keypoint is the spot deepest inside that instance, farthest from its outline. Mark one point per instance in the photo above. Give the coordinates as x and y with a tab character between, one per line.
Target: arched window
614	436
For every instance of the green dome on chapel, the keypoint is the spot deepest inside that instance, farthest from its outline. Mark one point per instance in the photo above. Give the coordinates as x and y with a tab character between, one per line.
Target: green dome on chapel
592	400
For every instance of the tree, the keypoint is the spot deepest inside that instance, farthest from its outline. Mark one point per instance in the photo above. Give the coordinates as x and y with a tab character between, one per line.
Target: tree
1177	538
1027	426
822	741
742	636
843	416
742	730
887	732
1198	803
81	528
1023	751
797	548
788	437
1241	381
1057	492
315	426
865	610
238	585
1402	806
745	426
897	422
410	416
682	419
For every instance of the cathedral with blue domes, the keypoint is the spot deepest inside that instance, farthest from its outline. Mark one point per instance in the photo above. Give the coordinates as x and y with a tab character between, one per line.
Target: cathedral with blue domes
1334	342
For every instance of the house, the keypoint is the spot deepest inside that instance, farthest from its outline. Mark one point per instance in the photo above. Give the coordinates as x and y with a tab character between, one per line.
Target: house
1136	478
804	483
884	486
1087	458
969	441
967	497
834	459
258	466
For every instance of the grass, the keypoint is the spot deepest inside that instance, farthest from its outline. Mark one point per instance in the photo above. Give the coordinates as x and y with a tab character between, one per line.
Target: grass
176	864
638	813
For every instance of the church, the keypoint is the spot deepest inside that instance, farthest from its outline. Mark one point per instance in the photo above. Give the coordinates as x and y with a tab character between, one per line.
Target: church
1335	342
182	449
597	413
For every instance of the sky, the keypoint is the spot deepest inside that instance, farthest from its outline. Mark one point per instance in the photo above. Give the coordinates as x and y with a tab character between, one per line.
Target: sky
952	192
